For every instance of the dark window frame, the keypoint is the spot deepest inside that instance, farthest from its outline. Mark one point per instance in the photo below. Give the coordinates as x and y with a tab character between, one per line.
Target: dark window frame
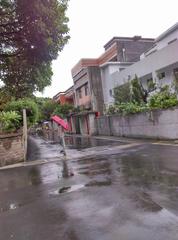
86	89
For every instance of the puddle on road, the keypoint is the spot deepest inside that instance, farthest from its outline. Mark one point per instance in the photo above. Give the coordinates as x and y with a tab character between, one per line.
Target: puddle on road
10	207
68	189
73	188
80	143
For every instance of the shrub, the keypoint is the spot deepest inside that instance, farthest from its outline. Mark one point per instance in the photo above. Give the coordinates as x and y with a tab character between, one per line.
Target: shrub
29	105
133	91
138	93
163	99
127	108
48	108
9	121
63	110
122	93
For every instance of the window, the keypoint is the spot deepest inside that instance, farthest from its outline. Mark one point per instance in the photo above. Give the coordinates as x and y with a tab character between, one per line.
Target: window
161	75
110	92
86	89
80	93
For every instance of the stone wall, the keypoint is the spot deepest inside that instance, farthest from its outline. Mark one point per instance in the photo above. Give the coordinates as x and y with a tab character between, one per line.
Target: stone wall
11	149
158	124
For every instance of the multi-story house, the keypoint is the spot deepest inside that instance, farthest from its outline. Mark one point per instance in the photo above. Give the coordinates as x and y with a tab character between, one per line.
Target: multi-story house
158	64
87	74
65	97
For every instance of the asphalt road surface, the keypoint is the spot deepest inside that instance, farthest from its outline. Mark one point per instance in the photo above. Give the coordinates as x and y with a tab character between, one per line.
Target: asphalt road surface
129	194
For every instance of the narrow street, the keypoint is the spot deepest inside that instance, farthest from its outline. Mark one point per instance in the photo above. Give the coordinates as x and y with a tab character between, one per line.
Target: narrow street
104	189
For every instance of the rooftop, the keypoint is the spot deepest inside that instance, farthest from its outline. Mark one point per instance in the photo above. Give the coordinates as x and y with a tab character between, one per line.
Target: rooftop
135	38
167	32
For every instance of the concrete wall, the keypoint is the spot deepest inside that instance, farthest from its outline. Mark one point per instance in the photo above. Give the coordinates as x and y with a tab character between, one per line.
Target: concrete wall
96	89
11	149
158	124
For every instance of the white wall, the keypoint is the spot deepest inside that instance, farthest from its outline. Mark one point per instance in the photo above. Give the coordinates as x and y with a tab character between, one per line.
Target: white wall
161	43
108	82
162	60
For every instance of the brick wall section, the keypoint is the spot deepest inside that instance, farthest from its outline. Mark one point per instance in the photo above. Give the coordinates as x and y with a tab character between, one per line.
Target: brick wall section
11	149
133	50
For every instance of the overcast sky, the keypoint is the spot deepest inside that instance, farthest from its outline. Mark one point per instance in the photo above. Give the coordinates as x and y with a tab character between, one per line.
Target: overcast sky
95	22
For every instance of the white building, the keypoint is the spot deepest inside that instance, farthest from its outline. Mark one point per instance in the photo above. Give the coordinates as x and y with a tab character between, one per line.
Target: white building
158	64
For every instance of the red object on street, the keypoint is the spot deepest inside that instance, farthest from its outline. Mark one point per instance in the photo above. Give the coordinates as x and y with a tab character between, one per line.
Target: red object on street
97	114
61	122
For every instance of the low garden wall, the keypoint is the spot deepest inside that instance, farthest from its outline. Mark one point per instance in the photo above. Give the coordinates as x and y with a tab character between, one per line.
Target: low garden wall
11	148
158	124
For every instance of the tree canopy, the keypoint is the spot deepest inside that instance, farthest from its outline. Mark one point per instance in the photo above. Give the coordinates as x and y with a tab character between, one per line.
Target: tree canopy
32	33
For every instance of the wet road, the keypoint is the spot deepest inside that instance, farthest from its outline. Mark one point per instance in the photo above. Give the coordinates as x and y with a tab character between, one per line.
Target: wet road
129	195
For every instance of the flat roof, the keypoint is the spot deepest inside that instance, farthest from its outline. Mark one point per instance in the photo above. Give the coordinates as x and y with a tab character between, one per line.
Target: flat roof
135	38
167	32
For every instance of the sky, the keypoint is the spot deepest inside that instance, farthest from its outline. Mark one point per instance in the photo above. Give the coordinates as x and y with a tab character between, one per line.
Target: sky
93	23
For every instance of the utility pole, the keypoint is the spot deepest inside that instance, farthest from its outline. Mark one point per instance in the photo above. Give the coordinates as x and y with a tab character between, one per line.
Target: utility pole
61	134
25	133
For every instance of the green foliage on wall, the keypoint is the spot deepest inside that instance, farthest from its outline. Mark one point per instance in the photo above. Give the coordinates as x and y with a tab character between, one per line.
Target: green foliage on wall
163	99
9	121
133	98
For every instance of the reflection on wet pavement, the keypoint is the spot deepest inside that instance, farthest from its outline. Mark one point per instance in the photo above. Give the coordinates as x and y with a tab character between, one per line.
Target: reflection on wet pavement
130	196
48	146
74	142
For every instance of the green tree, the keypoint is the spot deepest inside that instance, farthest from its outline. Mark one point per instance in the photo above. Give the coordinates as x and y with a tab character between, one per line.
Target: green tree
47	109
4	98
138	93
63	110
32	34
122	93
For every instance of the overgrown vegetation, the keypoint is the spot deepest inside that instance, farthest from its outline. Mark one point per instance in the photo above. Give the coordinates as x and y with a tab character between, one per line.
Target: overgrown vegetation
122	94
9	121
132	97
63	110
163	99
29	105
47	108
127	108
